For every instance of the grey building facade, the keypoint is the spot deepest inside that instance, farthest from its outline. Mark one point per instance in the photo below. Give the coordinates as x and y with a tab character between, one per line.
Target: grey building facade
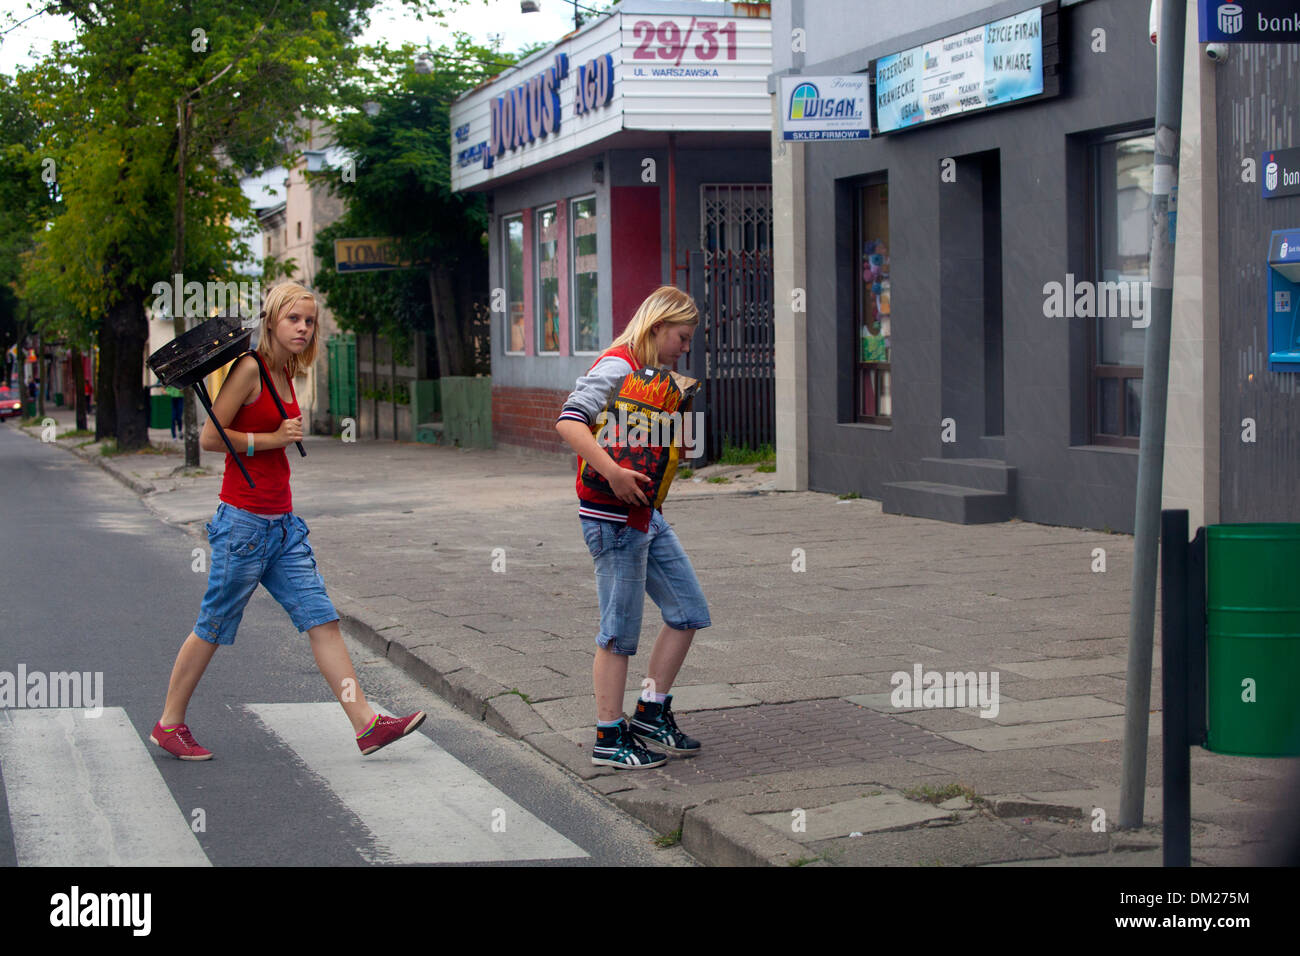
963	392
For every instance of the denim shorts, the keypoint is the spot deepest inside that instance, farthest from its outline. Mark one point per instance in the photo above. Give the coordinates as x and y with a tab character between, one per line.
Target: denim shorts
631	564
248	549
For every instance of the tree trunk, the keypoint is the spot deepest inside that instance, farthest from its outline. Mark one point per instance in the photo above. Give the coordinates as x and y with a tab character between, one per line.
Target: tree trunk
105	397
130	329
448	333
43	375
189	413
79	388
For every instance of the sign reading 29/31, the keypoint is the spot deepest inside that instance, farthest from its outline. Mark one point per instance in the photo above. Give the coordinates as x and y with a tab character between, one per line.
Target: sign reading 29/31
662	45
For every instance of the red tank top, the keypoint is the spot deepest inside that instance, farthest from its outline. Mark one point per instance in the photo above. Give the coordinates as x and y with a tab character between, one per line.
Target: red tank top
269	469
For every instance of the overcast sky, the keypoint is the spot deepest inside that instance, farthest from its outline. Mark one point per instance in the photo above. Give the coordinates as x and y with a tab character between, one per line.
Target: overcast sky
390	21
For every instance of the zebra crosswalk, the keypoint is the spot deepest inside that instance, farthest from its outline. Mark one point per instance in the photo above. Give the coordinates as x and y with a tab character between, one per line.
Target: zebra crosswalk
86	791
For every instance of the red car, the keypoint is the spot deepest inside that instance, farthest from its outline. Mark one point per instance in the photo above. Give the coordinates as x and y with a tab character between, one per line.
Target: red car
11	403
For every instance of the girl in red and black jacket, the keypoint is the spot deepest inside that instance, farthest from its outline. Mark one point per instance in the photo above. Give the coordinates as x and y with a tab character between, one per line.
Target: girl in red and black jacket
634	549
255	537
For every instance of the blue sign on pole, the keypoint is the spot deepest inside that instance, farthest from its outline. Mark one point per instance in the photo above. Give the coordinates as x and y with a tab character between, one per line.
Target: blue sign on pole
1249	21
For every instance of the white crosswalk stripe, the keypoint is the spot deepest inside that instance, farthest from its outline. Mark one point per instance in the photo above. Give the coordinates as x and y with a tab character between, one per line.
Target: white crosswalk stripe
85	791
420	803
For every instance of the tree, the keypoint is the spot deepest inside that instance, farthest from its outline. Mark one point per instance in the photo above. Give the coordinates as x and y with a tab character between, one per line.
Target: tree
402	188
26	202
153	94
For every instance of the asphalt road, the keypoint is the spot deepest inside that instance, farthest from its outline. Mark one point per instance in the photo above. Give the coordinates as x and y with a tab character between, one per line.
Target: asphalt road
94	583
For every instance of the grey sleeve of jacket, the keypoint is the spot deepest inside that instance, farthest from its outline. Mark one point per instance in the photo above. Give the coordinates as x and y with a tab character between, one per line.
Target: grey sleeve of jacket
592	391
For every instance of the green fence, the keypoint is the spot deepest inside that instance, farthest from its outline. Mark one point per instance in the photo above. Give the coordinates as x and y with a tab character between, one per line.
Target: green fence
343	377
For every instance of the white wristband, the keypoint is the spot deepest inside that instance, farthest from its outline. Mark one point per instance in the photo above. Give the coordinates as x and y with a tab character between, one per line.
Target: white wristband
250	444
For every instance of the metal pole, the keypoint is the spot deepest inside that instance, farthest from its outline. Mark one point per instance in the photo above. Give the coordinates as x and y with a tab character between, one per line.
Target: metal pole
672	204
1155	393
1174	614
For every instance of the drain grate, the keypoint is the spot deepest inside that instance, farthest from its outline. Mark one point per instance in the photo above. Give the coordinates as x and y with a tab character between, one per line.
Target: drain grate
772	738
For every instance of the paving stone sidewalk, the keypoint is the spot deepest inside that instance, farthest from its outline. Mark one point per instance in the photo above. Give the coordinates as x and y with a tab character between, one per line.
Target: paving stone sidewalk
817	603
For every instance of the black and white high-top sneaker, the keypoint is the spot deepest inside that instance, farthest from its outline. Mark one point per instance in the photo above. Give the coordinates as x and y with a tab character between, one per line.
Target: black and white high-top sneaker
617	747
655	726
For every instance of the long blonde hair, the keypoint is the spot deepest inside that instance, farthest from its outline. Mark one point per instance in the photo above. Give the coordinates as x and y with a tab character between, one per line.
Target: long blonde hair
665	304
277	304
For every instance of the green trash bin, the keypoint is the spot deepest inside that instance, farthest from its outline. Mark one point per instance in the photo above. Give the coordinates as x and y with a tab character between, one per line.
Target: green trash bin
1252	637
160	411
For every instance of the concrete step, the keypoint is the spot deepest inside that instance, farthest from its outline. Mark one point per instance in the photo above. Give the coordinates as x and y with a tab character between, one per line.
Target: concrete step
944	502
986	474
994	446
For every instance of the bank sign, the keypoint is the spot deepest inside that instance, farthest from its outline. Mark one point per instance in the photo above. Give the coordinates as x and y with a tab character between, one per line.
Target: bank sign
1249	21
826	107
1281	173
991	65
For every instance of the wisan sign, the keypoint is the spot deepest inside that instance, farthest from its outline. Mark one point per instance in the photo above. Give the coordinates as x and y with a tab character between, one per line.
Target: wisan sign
531	111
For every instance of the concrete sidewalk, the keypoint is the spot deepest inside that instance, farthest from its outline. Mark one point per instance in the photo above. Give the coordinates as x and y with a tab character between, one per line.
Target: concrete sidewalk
806	760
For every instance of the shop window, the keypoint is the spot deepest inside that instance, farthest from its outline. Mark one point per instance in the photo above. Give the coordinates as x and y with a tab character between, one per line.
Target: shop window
1121	170
583	276
873	387
547	230
513	245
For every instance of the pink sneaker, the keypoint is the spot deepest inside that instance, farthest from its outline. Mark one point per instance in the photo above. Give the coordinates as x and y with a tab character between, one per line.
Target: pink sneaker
388	729
179	742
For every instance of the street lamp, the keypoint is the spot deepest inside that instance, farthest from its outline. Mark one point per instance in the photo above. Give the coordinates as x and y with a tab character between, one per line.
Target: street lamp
534	6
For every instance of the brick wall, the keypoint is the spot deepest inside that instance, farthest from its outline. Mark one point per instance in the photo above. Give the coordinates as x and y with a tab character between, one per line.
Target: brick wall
526	417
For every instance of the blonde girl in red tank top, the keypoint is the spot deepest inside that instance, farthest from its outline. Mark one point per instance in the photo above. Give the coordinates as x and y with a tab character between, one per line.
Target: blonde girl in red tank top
255	537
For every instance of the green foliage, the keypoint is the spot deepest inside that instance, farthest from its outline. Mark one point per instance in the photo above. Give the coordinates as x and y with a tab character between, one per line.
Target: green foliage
108	110
937	795
399	186
666	840
742	455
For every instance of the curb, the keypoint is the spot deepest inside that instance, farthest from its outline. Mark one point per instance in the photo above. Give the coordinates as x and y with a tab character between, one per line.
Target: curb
713	833
139	487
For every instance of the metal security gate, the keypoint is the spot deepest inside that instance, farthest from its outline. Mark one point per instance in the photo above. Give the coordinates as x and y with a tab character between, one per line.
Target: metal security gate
730	278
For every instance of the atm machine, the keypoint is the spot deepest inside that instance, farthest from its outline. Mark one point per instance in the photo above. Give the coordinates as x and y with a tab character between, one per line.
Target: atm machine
1284	301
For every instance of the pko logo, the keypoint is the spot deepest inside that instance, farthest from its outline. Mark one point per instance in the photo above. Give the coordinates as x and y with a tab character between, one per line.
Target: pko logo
807	103
1231	18
1270	176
